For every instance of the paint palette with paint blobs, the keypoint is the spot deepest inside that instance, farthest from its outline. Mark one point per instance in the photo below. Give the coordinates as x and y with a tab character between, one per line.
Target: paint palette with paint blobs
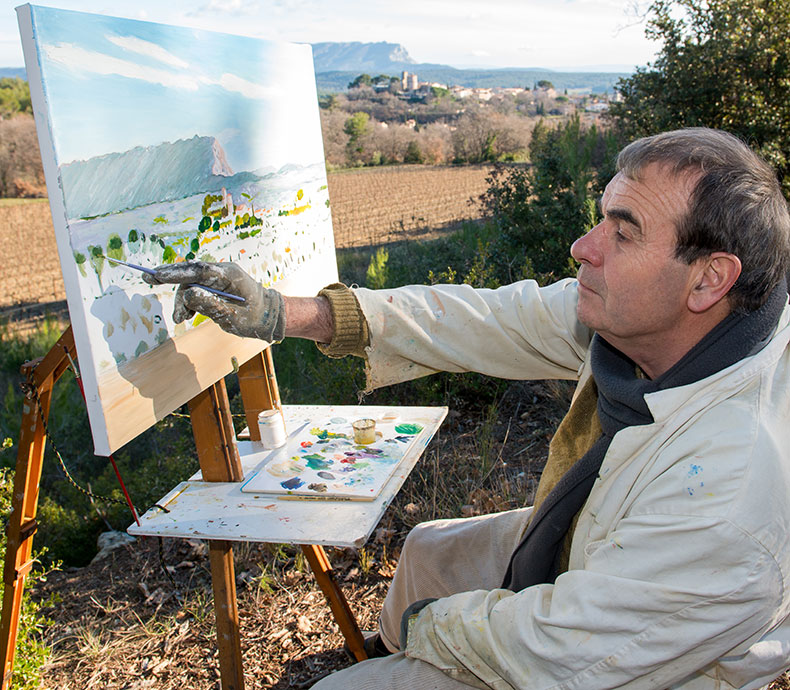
322	460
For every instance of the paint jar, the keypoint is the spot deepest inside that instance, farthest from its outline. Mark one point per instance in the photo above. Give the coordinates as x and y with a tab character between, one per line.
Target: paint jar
272	428
364	431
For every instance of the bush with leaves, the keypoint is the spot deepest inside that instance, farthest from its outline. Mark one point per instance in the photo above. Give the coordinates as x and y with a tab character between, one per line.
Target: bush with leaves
14	97
723	64
31	652
540	210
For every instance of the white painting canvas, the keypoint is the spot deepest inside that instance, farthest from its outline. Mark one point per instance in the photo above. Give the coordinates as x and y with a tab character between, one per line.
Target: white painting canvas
164	144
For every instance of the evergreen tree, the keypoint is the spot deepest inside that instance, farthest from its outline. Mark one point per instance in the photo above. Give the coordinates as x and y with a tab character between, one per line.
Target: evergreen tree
723	64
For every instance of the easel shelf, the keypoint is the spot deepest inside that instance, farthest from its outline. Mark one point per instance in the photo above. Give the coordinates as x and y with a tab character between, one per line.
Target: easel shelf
220	510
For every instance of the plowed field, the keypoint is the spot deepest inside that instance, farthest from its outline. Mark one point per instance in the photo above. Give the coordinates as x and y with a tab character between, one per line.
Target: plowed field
370	206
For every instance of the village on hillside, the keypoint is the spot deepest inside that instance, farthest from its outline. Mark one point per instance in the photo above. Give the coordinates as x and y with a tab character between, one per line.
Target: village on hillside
409	87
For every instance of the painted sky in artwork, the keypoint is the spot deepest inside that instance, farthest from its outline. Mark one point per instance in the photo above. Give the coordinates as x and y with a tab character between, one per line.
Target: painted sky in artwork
159	83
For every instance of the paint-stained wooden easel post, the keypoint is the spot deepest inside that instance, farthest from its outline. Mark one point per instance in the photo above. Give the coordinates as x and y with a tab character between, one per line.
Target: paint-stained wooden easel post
219	460
41	376
259	391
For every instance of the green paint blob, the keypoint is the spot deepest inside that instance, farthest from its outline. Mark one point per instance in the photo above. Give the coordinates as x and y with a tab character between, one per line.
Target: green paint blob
316	462
409	429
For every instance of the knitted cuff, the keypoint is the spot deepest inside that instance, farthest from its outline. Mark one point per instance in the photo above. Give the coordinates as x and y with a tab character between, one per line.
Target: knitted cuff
351	335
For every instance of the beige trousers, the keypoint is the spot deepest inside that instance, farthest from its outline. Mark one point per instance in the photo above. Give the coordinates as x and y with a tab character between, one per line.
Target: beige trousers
439	558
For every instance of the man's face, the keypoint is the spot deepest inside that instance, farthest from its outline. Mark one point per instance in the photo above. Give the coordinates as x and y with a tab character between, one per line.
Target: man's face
632	289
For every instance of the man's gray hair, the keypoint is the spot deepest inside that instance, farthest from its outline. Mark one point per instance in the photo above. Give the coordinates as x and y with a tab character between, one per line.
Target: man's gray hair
736	207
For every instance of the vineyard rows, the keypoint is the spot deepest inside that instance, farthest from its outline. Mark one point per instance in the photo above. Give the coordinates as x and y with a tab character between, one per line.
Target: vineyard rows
370	206
375	205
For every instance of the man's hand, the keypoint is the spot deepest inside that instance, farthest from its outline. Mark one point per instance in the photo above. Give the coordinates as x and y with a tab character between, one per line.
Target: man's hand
261	315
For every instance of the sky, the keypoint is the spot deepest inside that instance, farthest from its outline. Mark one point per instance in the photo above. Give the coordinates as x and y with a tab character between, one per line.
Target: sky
556	34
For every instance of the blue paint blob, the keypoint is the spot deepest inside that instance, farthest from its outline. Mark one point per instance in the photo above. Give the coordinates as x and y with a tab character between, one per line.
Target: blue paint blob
292	483
326	475
337	420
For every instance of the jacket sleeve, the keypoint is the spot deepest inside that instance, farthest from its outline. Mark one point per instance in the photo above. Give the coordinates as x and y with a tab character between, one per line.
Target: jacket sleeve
662	597
518	331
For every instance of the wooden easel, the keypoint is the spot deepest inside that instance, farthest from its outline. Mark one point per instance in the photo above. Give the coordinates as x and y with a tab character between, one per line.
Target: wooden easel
219	462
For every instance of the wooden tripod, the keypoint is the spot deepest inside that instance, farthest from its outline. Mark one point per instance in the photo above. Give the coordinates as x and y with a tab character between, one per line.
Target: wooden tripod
219	462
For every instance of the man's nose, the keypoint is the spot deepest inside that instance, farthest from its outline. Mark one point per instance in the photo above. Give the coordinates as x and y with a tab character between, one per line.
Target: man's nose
587	248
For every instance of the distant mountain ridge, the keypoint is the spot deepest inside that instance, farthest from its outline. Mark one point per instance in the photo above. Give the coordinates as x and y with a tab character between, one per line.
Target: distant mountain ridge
144	175
18	72
337	64
368	57
594	82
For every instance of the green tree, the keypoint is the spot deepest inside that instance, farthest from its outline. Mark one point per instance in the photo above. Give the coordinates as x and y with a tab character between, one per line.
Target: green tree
14	97
540	211
115	247
356	126
361	80
413	153
723	64
545	84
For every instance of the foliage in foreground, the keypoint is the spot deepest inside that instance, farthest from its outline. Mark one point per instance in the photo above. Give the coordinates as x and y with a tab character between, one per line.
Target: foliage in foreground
540	211
723	64
31	653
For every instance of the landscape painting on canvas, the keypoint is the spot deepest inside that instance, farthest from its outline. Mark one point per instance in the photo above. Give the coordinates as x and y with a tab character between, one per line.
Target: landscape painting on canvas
164	144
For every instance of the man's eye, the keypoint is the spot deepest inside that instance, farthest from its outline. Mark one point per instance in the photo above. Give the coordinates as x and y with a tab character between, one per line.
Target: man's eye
620	236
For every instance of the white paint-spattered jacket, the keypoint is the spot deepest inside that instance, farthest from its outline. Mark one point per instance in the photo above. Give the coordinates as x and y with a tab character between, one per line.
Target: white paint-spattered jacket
679	570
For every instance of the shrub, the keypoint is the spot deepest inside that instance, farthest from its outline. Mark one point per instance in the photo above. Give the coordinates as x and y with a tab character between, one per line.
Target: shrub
540	211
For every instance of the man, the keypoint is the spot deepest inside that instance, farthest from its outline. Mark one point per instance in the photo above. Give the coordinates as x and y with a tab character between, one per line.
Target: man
658	552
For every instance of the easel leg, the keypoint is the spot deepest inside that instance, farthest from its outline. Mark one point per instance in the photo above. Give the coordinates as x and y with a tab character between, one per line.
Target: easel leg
259	391
317	558
21	527
223	581
219	462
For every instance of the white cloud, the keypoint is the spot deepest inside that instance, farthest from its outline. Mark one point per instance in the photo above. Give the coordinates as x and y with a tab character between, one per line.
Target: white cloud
138	45
227	7
81	60
231	82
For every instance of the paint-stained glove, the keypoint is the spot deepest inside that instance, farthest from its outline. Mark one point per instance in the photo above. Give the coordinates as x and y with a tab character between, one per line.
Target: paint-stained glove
260	315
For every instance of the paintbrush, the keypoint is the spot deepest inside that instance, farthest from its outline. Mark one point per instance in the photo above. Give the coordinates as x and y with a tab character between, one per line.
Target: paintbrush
152	272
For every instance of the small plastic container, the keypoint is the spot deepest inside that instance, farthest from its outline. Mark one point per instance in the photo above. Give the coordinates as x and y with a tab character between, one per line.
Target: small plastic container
272	428
364	431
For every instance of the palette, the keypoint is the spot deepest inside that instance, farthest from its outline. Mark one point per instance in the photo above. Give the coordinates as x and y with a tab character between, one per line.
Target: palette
321	460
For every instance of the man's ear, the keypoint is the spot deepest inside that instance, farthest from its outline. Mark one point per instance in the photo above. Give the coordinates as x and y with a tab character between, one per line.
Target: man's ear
715	275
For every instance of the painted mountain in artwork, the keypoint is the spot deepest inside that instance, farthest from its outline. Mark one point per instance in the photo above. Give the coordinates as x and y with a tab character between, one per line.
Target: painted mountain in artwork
145	175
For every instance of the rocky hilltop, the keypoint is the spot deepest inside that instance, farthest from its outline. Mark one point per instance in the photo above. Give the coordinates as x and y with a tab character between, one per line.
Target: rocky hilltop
143	175
363	57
